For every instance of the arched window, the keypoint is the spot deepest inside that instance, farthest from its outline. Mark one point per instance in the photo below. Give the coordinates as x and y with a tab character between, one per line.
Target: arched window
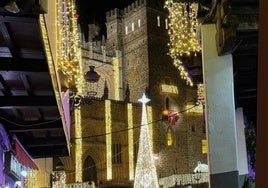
167	103
57	164
89	170
169	136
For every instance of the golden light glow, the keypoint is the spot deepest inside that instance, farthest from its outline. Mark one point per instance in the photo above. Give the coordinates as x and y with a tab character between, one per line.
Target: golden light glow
183	180
150	124
116	78
204	146
169	88
182	30
145	174
68	49
169	137
60	179
53	74
108	139
195	109
31	180
183	72
130	142
78	146
165	112
201	94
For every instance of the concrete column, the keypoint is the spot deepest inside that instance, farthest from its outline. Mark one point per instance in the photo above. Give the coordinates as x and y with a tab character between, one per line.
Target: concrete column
220	113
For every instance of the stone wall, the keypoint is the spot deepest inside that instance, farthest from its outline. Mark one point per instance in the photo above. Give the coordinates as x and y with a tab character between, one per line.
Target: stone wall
146	67
179	158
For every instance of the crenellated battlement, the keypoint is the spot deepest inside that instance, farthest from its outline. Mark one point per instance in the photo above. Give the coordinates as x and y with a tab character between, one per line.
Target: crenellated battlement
138	4
117	13
96	50
133	7
131	20
113	14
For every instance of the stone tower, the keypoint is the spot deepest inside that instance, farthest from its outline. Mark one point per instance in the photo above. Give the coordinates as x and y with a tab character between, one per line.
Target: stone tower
140	32
114	31
134	60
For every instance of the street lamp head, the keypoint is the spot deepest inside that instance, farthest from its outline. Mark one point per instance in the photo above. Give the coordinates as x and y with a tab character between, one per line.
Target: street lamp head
91	76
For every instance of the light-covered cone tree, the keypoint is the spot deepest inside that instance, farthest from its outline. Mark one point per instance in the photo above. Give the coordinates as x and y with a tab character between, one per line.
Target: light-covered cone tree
145	173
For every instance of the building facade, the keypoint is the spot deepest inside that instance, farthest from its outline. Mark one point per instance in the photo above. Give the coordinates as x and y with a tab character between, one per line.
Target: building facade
131	60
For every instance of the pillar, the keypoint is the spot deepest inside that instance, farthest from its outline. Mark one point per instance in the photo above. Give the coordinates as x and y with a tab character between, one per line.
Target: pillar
219	113
262	99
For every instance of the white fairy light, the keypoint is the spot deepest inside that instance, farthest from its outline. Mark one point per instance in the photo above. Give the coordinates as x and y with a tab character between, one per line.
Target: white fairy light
145	174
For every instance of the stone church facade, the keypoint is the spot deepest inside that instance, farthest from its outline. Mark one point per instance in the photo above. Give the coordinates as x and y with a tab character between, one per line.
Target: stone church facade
133	59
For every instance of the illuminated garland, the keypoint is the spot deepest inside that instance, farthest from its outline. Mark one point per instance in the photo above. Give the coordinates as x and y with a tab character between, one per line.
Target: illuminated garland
78	145
108	128
58	179
182	33
130	141
183	25
30	180
183	179
183	73
201	94
69	53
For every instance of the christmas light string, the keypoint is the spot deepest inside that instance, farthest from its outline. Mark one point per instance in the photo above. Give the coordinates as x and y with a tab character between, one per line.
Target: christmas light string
126	148
137	126
119	131
114	132
59	118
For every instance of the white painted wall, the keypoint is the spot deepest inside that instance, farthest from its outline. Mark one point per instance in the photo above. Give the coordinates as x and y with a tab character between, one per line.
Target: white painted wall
220	110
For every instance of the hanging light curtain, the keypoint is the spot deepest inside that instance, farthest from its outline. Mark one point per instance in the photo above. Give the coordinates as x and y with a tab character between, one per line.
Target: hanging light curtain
182	31
68	49
183	25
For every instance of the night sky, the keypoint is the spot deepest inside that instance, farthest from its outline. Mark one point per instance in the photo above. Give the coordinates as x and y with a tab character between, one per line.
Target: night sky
93	11
89	9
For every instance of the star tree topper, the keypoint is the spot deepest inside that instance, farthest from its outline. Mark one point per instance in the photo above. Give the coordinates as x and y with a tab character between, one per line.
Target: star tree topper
144	99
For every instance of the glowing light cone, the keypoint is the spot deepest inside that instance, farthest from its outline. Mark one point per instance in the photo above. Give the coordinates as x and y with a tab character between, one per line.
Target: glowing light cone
145	174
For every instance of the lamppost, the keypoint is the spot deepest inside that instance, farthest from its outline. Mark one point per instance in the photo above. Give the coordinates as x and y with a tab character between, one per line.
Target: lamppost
92	78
